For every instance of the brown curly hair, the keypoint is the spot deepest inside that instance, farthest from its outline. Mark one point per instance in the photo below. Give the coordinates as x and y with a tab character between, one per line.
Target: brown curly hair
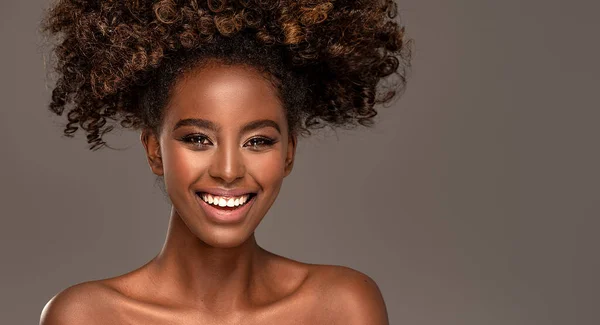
118	59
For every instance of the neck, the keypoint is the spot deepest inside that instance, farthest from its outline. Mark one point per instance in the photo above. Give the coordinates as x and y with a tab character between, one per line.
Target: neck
219	279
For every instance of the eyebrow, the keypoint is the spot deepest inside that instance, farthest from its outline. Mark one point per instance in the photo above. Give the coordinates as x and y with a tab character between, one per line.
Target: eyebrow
198	122
206	124
260	124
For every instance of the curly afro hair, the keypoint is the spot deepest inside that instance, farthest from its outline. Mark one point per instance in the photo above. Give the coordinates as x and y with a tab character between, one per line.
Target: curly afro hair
117	60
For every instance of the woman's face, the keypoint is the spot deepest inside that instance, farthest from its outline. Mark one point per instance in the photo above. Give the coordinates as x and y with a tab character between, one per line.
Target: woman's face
224	150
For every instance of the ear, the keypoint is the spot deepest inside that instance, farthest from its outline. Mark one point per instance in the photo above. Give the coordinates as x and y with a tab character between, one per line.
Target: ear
291	153
152	148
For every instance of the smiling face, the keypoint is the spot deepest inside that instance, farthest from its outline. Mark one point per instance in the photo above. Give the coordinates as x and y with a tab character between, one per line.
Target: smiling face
224	150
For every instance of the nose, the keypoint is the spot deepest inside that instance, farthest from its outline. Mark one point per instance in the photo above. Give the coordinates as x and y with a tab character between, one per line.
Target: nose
228	164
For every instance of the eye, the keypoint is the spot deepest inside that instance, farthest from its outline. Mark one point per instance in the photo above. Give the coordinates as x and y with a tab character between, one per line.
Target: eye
199	140
259	143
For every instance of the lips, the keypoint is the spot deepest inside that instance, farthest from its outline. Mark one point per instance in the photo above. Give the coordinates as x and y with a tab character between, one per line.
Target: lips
225	192
224	201
224	209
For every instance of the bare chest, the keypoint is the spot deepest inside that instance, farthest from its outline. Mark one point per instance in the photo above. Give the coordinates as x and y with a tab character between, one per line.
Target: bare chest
296	312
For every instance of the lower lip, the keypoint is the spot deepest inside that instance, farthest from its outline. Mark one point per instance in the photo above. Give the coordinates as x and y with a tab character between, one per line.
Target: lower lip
219	215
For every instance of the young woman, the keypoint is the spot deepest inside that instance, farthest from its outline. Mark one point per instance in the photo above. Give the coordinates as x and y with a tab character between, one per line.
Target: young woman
220	92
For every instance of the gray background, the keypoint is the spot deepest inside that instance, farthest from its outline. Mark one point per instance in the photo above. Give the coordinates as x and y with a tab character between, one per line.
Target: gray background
473	201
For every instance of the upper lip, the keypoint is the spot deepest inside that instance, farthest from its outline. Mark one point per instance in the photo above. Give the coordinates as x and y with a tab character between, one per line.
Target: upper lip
224	192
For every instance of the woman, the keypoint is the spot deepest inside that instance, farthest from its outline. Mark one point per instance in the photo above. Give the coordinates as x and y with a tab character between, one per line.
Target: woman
220	91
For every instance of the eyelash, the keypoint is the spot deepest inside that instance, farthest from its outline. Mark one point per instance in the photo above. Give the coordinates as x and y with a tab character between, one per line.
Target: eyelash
266	141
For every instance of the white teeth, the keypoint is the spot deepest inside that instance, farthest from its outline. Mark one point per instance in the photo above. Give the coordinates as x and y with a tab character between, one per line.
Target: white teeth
224	201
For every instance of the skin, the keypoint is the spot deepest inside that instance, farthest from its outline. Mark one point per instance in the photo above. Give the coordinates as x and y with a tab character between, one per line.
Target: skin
211	273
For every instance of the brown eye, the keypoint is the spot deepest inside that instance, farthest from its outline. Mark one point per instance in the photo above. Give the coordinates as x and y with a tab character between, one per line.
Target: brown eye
259	143
198	140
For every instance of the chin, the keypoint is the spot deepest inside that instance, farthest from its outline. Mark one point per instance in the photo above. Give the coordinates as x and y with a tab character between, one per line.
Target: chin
224	238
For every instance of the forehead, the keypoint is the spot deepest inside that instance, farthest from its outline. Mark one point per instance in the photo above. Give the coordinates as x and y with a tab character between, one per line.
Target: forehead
225	94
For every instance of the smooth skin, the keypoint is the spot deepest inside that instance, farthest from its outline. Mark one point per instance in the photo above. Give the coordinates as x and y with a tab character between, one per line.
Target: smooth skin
236	137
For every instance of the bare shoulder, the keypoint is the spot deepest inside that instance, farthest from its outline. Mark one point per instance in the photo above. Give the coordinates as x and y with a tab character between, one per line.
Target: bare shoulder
348	296
82	303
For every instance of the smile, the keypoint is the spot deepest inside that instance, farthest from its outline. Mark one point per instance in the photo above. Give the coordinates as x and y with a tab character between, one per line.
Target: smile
226	209
224	201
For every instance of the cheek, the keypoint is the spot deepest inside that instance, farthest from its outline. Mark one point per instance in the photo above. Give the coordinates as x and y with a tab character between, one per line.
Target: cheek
266	168
182	166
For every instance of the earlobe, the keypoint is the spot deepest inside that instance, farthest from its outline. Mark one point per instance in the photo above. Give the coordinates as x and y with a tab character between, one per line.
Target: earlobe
152	149
291	153
289	164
